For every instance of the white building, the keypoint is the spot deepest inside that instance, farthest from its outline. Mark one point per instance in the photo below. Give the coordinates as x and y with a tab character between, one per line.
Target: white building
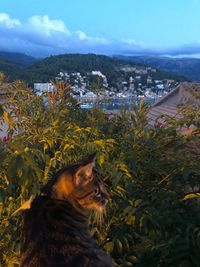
43	87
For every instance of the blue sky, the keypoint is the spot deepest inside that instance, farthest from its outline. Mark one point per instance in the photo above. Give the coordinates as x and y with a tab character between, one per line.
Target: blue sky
126	27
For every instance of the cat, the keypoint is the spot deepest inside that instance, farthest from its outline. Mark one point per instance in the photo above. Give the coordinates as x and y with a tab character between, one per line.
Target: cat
56	232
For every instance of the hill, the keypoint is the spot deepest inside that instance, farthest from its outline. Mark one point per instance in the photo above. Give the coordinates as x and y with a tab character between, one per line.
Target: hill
188	67
13	64
48	68
32	70
18	58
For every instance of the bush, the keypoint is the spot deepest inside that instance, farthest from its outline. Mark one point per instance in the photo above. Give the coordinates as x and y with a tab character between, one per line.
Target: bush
148	222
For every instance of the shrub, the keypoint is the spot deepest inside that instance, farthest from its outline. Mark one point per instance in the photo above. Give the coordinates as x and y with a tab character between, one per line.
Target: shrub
148	222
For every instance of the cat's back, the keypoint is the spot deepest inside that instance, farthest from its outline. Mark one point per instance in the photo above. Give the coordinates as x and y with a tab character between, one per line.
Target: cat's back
56	235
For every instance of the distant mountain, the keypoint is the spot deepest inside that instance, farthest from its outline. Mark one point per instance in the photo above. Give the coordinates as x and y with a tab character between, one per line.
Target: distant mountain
32	70
13	64
18	58
48	68
188	67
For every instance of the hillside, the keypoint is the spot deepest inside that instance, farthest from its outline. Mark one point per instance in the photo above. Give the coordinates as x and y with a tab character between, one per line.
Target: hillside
13	64
18	58
188	67
32	70
48	68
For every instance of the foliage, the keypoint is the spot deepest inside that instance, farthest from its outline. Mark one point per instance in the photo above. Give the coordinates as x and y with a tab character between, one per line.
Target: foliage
179	69
96	83
48	68
188	67
13	64
148	222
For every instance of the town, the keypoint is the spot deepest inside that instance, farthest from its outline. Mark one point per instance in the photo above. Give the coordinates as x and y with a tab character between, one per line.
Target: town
135	82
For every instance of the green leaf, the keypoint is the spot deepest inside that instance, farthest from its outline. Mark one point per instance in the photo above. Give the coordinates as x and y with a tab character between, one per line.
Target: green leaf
118	247
138	202
15	165
109	246
101	159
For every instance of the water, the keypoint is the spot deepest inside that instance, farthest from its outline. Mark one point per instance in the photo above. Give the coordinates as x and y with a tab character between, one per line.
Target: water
112	104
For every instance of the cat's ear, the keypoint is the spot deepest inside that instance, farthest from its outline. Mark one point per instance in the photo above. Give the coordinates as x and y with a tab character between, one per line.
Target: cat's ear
84	173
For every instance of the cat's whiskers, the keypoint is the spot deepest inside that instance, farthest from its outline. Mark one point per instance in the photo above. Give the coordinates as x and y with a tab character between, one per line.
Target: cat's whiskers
99	217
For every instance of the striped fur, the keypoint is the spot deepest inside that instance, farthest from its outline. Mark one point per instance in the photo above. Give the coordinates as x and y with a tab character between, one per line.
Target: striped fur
56	232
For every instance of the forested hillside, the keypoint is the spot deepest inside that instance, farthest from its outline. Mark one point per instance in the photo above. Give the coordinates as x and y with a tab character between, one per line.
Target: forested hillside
13	64
32	70
188	67
48	68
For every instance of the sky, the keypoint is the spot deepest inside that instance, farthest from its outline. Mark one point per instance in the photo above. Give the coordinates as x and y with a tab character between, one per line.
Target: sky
127	27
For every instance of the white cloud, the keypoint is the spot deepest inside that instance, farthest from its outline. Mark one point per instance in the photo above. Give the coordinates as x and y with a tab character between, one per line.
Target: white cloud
84	37
6	20
81	35
130	41
43	36
43	23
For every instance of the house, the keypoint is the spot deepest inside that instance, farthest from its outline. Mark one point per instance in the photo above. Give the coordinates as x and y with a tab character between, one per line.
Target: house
43	87
184	93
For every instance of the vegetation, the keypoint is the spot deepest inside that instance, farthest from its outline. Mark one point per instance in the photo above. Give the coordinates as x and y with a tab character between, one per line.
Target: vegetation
48	68
188	67
150	220
13	64
32	70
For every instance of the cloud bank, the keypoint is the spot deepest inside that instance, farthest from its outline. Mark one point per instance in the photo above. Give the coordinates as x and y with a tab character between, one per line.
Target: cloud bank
41	36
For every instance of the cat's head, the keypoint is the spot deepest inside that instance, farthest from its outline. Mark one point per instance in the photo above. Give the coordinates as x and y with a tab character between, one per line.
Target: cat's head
79	185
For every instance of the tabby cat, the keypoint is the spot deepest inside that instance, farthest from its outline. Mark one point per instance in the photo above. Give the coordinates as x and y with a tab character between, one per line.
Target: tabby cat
56	231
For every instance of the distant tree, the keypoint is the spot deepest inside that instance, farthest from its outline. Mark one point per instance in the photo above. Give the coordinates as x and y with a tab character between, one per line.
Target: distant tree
96	83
